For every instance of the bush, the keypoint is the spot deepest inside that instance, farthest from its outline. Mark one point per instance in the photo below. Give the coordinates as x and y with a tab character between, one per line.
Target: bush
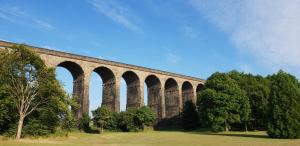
126	122
144	117
35	128
84	123
133	120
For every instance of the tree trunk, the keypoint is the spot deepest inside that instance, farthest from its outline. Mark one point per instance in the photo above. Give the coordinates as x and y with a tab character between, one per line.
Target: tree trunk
20	126
101	130
226	129
246	127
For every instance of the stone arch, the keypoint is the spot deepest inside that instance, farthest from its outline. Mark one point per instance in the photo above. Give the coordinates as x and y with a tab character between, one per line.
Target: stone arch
187	92
154	94
172	98
78	84
133	89
200	87
109	88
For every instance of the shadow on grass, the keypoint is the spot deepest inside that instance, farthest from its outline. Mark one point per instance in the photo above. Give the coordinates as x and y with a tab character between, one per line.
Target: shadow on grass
206	131
91	130
248	134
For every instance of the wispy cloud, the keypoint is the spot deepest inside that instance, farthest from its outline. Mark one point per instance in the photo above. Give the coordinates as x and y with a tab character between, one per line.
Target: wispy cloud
51	48
190	32
268	29
117	12
246	68
15	15
172	58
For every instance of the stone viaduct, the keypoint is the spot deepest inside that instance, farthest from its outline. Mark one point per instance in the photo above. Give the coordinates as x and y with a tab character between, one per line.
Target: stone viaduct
166	91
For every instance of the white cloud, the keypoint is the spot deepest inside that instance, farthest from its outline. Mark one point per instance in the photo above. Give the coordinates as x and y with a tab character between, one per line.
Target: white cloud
51	48
118	13
190	32
14	14
268	29
172	58
246	68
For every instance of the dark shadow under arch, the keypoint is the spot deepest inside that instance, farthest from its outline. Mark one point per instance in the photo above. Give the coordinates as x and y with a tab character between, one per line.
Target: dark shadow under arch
109	89
200	87
187	92
172	106
154	94
133	89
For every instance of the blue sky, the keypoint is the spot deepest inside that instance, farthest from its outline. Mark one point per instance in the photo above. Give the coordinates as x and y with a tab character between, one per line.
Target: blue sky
191	37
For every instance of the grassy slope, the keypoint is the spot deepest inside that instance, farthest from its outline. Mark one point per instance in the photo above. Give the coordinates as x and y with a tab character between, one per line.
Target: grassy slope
158	139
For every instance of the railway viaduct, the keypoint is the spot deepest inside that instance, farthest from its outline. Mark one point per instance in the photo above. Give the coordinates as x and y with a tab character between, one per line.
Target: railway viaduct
166	91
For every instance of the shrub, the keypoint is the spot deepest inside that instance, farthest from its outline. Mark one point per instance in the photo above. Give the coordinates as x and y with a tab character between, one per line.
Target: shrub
84	123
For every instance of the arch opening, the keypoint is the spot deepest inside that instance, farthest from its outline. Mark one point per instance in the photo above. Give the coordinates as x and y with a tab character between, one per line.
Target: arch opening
172	107
199	89
133	89
187	92
154	94
109	90
78	84
95	95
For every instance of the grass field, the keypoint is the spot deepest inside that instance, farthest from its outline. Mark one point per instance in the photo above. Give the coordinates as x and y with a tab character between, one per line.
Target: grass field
155	138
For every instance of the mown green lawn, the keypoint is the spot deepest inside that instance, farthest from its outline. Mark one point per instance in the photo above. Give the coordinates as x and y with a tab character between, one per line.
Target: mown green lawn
155	138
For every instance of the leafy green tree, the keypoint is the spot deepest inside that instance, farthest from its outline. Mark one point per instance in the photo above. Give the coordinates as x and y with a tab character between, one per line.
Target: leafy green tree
31	88
222	103
190	118
284	112
102	117
144	117
257	91
134	119
126	120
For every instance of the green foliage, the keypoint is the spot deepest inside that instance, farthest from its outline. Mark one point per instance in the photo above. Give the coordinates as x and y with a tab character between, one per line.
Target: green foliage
6	108
16	62
68	122
135	119
190	118
103	118
222	103
144	117
257	91
126	120
284	112
36	128
84	123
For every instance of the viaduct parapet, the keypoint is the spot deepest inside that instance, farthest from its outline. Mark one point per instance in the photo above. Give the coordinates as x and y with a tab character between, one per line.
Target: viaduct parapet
166	91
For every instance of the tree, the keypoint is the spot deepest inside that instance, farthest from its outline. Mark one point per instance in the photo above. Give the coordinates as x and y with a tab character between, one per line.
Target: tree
144	117
284	106
257	90
222	103
32	88
190	118
126	120
102	117
135	119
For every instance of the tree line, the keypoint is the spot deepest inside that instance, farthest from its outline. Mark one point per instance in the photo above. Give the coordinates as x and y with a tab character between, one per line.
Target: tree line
239	101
